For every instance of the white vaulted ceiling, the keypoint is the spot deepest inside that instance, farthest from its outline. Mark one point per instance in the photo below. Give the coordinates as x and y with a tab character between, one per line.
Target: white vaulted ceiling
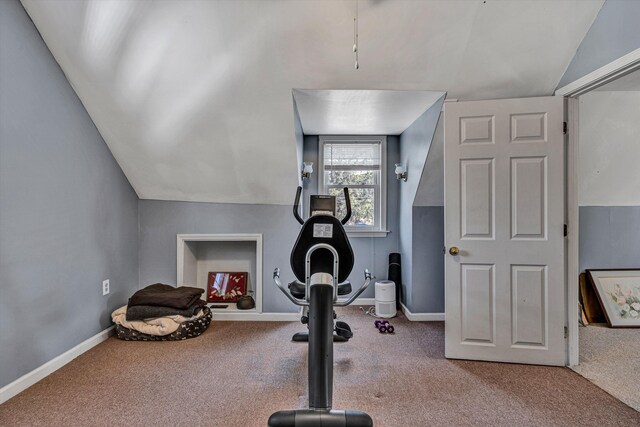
361	112
194	97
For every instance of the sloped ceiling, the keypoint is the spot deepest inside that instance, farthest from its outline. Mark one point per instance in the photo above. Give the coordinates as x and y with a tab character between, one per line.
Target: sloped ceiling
361	112
194	97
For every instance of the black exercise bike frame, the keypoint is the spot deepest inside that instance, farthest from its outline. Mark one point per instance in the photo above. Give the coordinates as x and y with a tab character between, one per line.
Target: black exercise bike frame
320	298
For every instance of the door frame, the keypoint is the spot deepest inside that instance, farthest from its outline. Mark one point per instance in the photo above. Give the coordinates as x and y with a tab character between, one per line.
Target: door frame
601	76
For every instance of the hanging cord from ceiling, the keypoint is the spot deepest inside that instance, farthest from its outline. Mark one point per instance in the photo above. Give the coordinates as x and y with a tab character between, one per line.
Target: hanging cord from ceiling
355	36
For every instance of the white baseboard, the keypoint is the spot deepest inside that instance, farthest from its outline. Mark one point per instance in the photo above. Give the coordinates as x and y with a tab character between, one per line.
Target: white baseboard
252	316
240	316
422	317
255	317
414	317
29	379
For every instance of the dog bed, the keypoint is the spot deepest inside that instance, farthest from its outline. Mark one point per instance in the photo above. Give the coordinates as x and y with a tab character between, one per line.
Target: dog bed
189	329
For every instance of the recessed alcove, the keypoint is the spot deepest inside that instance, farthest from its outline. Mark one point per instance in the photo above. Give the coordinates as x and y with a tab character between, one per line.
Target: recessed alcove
199	254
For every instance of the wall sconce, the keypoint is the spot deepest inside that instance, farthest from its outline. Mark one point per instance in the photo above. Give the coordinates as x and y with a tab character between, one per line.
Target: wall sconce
307	170
401	172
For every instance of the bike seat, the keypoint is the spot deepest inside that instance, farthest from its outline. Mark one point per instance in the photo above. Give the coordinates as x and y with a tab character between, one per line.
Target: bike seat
298	289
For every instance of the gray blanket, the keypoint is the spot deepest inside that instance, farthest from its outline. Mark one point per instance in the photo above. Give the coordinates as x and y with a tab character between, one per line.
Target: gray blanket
141	312
163	295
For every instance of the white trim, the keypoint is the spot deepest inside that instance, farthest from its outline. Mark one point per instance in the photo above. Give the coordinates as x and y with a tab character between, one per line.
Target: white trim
29	379
422	317
364	301
573	232
181	239
381	216
356	234
602	75
446	101
241	316
599	77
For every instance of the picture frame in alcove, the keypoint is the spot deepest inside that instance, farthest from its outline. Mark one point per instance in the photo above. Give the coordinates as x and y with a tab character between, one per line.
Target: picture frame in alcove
619	294
226	286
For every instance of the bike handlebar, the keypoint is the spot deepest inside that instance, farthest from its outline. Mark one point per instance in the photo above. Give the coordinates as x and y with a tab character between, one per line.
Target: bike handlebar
347	201
338	302
296	206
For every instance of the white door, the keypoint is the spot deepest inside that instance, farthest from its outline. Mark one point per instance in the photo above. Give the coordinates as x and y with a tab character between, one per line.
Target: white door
504	212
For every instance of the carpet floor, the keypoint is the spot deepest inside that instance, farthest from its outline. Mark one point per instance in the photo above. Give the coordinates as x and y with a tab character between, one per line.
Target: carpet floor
610	358
238	373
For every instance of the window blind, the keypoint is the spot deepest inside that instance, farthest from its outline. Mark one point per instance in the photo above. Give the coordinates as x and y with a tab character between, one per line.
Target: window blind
352	156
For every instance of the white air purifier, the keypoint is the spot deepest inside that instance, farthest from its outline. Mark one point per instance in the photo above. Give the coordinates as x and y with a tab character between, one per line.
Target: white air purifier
385	299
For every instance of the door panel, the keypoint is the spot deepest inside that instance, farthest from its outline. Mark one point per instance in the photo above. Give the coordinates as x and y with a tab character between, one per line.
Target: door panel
528	197
529	294
531	127
504	210
477	198
478	304
476	130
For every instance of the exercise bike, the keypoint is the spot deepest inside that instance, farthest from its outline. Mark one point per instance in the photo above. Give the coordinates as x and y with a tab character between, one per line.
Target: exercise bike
321	260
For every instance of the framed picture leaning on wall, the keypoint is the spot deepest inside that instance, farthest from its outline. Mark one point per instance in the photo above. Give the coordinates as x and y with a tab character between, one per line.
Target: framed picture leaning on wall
226	286
619	295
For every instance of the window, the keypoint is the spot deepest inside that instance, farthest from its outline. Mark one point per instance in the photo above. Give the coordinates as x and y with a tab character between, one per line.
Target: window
359	163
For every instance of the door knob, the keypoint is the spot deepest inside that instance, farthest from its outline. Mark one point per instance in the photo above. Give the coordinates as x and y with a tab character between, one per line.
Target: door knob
453	250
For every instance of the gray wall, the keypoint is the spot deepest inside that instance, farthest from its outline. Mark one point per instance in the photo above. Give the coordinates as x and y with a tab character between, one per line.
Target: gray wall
68	216
428	227
161	221
415	143
609	181
431	188
370	252
614	33
428	259
609	237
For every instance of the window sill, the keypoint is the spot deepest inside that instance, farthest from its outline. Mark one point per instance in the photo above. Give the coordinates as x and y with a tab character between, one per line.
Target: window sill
367	233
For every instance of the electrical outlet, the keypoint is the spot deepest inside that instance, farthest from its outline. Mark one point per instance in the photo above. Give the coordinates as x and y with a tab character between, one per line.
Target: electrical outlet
105	287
